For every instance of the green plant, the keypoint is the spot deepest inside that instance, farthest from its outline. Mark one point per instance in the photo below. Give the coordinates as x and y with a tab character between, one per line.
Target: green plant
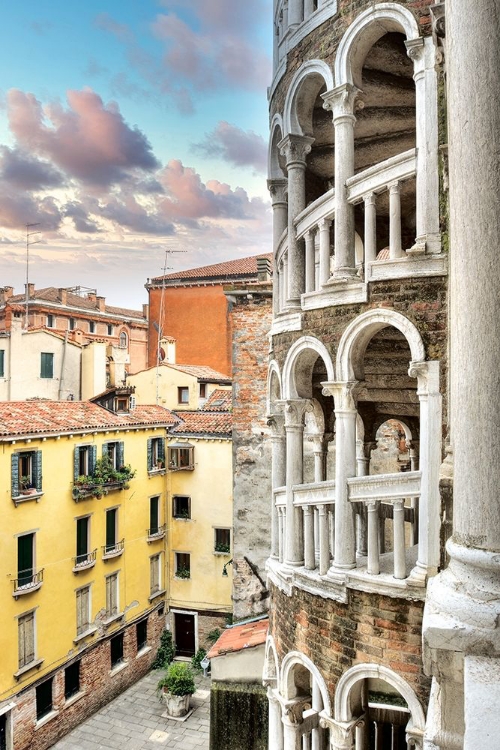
222	548
197	659
178	680
213	636
25	483
165	652
183	573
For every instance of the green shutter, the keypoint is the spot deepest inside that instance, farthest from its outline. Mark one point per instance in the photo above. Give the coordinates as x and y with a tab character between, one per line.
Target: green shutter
150	454
105	450
2	363
76	464
111	528
120	454
161	450
15	474
92	458
153	515
37	470
46	365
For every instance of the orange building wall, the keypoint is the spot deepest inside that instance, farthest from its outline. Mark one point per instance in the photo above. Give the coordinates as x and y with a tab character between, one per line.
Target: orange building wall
198	318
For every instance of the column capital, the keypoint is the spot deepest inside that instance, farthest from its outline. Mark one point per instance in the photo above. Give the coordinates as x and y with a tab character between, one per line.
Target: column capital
342	102
294	411
369	199
394	187
427	374
276	422
324	224
341	733
278	189
343	392
295	149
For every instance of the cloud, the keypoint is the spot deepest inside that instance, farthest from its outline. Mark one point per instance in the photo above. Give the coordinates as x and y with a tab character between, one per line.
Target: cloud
238	147
18	209
21	170
105	22
89	140
81	221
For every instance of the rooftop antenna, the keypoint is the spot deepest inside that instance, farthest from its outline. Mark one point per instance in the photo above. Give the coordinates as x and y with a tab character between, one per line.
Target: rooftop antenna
29	241
159	326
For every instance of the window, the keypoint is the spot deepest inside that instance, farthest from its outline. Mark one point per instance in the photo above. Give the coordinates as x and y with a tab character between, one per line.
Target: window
85	458
44	699
26	473
182	565
154	515
110	329
82	539
111	529
72	680
121	405
181	457
25	560
116	650
141	630
115	452
91	326
46	365
2	363
83	610
123	340
72	324
50	321
156	453
203	390
222	540
183	395
26	639
155	574
112	595
181	506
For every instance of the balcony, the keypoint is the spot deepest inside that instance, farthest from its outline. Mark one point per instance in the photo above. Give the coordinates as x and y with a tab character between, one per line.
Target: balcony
110	551
105	479
156	533
84	562
27	583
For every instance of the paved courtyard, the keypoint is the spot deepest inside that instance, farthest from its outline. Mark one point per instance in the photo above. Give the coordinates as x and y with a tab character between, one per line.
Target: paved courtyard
136	720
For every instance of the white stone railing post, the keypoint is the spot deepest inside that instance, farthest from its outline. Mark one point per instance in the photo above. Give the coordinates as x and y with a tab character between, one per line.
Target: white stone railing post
370	230
278	473
286	281
310	562
310	261
395	247
277	189
324	540
341	101
324	251
275	735
398	528
373	538
281	534
294	429
308	8
295	149
413	449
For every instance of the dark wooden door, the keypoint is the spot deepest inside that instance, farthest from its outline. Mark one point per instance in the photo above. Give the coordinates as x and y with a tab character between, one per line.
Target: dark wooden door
3	732
184	635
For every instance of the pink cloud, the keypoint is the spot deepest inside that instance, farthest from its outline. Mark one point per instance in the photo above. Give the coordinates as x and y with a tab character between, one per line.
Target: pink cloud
236	146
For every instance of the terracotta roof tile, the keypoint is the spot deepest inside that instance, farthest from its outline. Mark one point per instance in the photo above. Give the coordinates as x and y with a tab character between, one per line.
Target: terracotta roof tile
219	400
383	254
240	637
32	417
239	267
51	295
203	423
201	372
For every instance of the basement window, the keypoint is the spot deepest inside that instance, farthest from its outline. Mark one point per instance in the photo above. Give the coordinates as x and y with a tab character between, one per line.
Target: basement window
44	699
72	680
116	650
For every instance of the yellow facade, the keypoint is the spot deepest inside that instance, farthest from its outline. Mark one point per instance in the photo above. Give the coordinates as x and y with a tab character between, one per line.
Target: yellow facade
52	518
162	385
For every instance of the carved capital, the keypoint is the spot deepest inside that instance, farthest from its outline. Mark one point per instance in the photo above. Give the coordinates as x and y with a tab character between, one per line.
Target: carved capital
276	423
278	190
343	101
294	411
344	393
415	49
438	15
295	149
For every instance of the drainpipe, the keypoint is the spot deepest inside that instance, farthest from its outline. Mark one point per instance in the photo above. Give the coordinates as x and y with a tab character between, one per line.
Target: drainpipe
63	360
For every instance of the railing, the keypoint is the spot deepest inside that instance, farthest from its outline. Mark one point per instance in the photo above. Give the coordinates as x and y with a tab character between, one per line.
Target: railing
156	532
83	562
27	583
113	550
85	490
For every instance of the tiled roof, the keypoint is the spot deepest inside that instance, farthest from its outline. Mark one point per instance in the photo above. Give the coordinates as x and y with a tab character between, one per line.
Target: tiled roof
219	400
51	295
231	268
203	423
201	372
32	417
240	637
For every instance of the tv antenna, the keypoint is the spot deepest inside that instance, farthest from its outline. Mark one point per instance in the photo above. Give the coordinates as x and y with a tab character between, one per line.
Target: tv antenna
30	233
159	326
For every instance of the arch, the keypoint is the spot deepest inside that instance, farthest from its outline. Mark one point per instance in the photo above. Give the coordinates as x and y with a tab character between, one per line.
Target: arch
294	658
273	385
310	69
364	31
343	693
123	340
274	170
361	330
271	671
312	346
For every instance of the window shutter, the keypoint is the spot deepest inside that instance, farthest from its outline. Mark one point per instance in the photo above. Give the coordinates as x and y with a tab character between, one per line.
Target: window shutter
114	594
161	450
121	454
92	458
26	635
2	362
108	595
15	474
85	598
76	464
37	470
104	450
150	454
155	574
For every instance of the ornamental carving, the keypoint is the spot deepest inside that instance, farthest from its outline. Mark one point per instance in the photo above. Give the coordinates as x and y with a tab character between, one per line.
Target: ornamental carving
295	148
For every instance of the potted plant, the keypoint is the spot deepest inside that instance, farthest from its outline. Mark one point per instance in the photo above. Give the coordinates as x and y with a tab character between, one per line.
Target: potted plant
176	687
27	486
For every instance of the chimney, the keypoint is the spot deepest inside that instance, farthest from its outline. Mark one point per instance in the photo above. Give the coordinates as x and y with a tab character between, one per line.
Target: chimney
5	293
92	297
145	311
30	289
63	296
101	304
263	269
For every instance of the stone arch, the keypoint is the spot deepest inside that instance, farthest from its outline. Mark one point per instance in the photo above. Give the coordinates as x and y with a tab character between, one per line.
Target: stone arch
365	30
274	387
360	331
347	684
290	662
314	70
274	167
271	664
306	349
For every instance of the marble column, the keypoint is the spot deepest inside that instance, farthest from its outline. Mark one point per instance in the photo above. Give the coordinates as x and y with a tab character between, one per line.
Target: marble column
395	248
370	231
310	261
278	473
295	149
294	429
295	12
277	189
275	735
324	251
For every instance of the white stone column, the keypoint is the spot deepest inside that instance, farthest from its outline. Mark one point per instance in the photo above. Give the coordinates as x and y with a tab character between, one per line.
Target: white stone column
395	249
295	12
309	558
294	429
278	473
324	251
345	467
324	540
310	261
308	8
370	231
398	526
341	101
341	733
275	741
277	189
295	149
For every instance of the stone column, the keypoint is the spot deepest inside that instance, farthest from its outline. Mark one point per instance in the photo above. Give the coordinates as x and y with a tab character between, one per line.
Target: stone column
395	249
278	473
295	149
310	262
341	102
463	606
364	451
341	733
275	741
277	189
295	12
324	251
345	467
294	428
370	231
308	8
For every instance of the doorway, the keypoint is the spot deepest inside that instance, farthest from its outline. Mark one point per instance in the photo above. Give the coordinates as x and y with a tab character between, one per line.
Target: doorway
185	634
3	732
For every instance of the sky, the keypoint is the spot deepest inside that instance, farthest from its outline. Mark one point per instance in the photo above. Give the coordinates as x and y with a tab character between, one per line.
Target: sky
129	128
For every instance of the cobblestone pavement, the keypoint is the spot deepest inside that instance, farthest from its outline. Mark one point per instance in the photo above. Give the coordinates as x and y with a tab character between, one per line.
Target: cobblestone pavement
136	720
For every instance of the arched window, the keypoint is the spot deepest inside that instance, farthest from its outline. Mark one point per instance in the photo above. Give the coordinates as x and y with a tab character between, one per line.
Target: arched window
123	340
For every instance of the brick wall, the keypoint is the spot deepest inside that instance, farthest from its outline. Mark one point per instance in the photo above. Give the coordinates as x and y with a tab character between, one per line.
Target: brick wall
96	683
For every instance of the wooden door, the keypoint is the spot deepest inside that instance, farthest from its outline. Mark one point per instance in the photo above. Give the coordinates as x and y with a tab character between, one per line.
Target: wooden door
184	635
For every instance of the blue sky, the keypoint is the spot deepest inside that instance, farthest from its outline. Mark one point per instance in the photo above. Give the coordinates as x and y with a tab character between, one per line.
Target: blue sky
128	127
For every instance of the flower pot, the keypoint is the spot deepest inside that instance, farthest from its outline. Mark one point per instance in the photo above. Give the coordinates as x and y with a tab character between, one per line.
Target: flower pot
29	491
177	705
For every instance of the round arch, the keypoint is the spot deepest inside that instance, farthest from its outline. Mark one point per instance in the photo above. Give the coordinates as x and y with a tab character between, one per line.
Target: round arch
273	380
274	170
367	29
271	671
304	345
311	68
345	685
360	331
292	659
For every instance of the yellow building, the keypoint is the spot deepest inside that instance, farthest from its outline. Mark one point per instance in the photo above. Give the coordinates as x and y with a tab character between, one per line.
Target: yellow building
82	559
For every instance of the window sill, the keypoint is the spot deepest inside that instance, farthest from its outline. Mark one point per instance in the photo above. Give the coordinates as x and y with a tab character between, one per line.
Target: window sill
18	499
156	472
45	719
143	651
84	566
182	578
110	620
221	554
112	554
82	636
181	518
32	665
118	668
75	698
156	594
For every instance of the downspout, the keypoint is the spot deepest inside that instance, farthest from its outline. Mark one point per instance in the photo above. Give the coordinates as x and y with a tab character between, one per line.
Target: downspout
63	360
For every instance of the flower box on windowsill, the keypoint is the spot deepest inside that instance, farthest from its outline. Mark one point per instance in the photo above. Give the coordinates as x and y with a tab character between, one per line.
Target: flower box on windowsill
26	495
83	491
